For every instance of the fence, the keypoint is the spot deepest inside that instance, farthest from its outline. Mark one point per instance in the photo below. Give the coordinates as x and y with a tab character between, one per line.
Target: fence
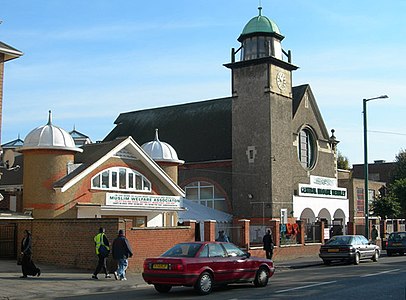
312	233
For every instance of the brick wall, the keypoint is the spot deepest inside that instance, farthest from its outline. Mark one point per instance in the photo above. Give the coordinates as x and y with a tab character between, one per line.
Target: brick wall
69	242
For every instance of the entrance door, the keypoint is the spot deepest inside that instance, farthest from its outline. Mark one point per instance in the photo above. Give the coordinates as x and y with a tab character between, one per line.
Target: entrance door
8	243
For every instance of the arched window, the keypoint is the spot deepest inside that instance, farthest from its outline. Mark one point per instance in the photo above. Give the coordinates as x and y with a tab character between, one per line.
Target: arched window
306	148
205	193
120	178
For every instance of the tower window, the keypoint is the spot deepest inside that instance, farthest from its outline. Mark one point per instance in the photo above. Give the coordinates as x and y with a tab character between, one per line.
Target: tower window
306	148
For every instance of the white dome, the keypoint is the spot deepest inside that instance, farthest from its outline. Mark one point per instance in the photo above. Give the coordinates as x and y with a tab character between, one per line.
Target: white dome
49	137
161	151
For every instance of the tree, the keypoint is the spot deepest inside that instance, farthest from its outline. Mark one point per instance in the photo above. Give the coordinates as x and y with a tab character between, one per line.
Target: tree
342	162
386	205
398	190
400	166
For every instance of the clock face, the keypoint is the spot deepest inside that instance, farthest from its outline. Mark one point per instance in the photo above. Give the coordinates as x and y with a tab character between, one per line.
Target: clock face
281	80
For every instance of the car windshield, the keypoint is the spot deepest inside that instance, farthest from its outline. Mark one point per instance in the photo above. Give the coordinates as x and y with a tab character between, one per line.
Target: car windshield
340	240
183	250
397	236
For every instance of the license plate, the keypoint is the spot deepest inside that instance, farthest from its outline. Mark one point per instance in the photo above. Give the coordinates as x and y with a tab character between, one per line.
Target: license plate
332	250
396	244
160	266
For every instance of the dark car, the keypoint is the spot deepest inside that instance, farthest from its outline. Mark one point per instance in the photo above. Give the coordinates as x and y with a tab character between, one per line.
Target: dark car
351	248
396	243
204	264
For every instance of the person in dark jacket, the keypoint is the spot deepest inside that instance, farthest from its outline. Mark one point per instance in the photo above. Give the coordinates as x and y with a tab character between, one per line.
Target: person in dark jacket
121	252
27	265
268	244
102	251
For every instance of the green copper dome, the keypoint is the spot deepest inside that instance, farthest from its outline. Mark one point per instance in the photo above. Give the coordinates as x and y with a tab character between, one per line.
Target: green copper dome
260	24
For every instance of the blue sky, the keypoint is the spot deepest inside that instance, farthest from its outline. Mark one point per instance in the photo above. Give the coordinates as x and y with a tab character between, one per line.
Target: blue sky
89	61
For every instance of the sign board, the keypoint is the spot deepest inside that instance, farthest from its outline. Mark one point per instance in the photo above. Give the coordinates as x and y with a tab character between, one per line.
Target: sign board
308	190
143	201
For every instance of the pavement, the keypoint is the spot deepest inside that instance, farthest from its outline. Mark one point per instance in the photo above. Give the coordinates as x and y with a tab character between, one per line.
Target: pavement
56	282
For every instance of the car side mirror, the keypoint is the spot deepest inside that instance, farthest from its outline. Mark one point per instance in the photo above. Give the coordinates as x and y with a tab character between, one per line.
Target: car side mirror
248	254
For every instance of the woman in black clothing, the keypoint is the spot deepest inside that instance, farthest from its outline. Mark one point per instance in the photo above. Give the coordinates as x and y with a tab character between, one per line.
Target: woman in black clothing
27	265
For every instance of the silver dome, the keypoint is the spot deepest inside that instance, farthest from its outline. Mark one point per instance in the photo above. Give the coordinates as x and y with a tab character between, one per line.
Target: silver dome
49	137
161	151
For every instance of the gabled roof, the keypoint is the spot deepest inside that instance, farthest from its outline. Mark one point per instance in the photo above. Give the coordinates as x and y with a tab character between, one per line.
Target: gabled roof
94	155
9	52
198	131
299	93
13	144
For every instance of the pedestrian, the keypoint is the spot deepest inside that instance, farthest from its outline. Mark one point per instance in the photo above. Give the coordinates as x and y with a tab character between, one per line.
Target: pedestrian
121	251
268	244
27	265
102	251
374	234
222	237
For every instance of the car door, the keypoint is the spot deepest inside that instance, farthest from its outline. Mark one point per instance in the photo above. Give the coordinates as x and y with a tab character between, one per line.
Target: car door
239	264
219	262
365	248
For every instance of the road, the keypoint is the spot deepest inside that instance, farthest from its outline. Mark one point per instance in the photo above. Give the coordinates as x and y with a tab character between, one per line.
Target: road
385	279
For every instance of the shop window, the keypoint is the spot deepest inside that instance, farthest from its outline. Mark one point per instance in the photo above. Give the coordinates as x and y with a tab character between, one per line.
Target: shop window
124	179
306	148
206	194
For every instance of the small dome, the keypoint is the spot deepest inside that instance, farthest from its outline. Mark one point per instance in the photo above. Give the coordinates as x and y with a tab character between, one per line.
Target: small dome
161	151
260	24
49	137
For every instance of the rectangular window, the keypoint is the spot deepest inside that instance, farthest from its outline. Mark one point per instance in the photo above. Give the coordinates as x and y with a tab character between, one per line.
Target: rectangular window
360	200
138	182
130	180
122	178
105	180
192	193
147	185
206	192
114	179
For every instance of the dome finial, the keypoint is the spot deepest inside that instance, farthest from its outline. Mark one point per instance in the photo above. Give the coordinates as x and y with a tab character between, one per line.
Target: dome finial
156	135
259	9
49	117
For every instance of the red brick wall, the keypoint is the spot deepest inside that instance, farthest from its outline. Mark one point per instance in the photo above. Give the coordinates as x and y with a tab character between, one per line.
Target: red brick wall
150	242
69	242
289	252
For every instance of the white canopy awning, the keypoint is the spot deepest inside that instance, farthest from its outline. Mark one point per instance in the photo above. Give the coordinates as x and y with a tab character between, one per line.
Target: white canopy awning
200	213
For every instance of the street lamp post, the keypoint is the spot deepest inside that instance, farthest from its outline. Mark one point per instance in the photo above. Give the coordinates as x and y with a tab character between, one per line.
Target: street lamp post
366	192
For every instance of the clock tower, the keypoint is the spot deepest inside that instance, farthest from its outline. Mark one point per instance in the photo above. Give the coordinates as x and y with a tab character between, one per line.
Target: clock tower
262	122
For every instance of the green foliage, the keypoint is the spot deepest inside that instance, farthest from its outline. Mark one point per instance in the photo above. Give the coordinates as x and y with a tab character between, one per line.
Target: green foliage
400	166
342	162
386	206
398	190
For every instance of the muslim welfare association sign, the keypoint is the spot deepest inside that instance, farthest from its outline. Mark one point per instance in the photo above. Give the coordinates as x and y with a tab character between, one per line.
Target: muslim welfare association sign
322	187
143	201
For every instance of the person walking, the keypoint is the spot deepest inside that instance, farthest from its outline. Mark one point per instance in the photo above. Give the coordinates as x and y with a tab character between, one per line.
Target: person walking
374	234
102	251
121	251
27	265
222	237
268	244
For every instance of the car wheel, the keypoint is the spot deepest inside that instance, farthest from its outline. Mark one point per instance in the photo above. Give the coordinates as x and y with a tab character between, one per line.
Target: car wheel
262	277
389	253
204	284
356	259
327	262
162	288
375	257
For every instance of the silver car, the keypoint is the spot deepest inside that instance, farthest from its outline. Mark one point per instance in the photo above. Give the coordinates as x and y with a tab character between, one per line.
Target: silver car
351	248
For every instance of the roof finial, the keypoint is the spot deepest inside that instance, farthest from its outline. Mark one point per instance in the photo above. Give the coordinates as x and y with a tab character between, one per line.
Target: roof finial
260	8
156	135
49	117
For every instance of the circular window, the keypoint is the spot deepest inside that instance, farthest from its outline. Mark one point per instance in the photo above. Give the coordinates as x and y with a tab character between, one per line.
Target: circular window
306	148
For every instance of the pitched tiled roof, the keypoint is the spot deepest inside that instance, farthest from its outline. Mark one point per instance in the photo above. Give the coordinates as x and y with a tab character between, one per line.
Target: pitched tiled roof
198	131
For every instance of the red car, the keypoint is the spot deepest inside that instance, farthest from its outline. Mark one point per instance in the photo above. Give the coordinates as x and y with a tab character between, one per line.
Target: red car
204	264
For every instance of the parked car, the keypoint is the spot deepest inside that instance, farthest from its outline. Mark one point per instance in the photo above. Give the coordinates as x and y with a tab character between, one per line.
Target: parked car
351	248
204	264
396	243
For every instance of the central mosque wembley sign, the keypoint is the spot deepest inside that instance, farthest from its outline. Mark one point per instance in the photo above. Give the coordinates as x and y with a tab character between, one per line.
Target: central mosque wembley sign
322	187
144	201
